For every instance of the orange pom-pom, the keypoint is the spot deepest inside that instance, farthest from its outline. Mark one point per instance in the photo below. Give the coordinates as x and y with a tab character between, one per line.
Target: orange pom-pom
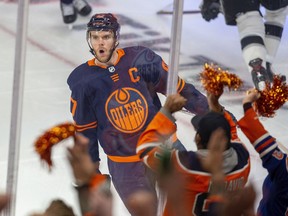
43	145
214	79
272	98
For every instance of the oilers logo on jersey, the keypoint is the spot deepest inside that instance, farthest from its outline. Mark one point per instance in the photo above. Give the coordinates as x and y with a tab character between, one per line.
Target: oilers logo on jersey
127	110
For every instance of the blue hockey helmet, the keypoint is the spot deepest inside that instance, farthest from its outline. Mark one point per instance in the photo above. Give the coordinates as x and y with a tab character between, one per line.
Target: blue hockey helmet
104	22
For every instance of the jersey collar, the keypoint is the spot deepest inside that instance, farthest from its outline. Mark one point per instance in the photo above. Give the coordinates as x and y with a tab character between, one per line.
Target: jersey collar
120	52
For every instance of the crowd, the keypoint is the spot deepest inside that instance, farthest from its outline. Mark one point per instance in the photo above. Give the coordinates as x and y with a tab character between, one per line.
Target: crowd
183	174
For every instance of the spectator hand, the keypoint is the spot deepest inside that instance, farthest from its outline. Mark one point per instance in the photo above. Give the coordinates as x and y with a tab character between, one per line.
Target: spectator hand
4	200
101	200
240	203
210	9
174	103
140	203
213	102
216	146
81	163
251	96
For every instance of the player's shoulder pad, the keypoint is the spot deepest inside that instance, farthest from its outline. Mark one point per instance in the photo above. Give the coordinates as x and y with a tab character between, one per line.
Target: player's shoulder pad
77	74
137	49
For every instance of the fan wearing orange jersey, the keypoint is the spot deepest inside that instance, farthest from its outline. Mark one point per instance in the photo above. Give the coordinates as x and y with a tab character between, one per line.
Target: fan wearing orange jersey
196	180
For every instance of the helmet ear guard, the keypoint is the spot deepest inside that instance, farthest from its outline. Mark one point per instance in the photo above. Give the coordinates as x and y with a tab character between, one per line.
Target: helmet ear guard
91	50
116	43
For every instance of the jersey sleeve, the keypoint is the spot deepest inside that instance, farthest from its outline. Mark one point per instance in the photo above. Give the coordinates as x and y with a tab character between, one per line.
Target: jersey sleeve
85	120
197	102
273	159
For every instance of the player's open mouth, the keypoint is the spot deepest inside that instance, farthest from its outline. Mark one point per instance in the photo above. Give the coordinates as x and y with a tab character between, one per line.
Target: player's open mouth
101	53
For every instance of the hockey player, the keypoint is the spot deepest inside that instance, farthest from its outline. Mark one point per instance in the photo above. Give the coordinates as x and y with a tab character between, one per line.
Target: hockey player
259	36
70	9
114	97
275	187
197	180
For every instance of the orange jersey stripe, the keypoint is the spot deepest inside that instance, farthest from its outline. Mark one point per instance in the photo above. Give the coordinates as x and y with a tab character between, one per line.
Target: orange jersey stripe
127	159
180	85
164	66
74	102
86	125
233	126
80	128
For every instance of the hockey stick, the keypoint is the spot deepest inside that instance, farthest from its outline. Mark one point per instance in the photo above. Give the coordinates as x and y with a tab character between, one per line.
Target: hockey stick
163	12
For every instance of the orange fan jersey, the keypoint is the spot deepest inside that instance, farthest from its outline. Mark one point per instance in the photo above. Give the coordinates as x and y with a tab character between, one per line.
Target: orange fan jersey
187	163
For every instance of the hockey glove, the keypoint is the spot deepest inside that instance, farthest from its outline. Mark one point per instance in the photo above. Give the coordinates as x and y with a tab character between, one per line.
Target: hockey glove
210	9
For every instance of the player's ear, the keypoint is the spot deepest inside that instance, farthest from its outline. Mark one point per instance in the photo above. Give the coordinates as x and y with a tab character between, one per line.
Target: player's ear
116	43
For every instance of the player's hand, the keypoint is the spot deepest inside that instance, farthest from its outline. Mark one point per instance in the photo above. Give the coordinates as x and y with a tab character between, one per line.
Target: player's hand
213	163
251	96
210	9
174	103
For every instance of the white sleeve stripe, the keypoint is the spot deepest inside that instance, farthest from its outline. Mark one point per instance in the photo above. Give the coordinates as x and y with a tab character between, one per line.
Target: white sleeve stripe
268	150
147	145
261	138
145	160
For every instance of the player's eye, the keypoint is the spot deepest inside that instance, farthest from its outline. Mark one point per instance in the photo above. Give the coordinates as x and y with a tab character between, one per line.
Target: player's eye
106	37
93	37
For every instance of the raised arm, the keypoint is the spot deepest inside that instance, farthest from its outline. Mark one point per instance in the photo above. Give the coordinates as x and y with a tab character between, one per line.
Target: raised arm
93	189
273	159
159	130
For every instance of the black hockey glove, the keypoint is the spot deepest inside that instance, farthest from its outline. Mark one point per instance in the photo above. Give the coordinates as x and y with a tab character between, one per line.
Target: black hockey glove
210	9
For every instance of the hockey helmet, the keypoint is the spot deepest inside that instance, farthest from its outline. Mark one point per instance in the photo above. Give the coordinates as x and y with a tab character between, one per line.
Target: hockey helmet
104	22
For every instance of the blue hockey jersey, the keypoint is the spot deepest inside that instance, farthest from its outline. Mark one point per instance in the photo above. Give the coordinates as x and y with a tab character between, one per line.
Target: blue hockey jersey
114	104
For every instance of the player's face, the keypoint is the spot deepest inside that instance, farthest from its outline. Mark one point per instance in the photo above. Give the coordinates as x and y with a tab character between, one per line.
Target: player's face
103	43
